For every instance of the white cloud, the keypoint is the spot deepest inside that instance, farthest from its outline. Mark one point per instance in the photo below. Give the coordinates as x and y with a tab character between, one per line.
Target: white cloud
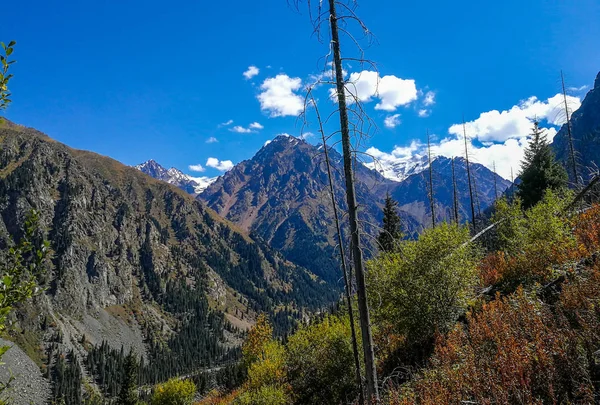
392	121
391	91
327	75
506	156
578	89
495	137
429	98
212	139
196	168
251	72
267	142
278	96
221	165
495	126
424	113
240	130
226	123
306	135
253	127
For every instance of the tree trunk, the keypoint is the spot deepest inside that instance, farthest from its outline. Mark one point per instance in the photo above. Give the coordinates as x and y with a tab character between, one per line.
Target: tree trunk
454	192
571	147
431	200
363	307
347	274
469	178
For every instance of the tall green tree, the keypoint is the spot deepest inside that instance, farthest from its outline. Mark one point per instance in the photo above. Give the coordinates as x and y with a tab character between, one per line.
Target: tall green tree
391	232
128	393
539	170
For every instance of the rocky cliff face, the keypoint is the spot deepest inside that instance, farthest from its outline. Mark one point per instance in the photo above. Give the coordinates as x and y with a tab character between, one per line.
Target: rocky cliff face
122	240
585	129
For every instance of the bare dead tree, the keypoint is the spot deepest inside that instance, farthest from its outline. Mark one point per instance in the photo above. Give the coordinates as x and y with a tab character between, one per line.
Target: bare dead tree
455	196
495	181
363	306
512	185
572	159
476	194
469	178
345	269
354	126
431	196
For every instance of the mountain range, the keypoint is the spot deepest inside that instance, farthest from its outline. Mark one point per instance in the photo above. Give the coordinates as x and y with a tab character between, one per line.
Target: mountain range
281	196
173	266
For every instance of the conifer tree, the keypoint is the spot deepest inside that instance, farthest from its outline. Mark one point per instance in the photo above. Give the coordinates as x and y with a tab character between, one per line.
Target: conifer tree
128	394
539	170
391	225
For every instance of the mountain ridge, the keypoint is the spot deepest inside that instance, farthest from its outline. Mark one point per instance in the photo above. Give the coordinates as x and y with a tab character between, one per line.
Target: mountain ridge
191	185
585	130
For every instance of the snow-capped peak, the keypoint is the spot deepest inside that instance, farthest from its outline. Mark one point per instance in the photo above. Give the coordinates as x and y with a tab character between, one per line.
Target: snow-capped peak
400	168
193	185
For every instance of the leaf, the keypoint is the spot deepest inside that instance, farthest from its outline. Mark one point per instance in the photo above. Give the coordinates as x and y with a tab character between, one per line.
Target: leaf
7	281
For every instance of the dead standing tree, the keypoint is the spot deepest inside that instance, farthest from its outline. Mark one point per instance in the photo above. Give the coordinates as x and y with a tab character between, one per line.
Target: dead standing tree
348	129
357	255
454	194
431	195
572	158
310	101
469	178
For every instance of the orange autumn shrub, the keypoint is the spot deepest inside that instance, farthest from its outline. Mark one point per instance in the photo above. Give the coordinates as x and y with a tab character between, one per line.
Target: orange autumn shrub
217	398
587	230
493	267
517	350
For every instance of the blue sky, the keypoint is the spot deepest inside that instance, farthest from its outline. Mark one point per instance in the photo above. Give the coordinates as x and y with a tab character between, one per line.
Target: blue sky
138	80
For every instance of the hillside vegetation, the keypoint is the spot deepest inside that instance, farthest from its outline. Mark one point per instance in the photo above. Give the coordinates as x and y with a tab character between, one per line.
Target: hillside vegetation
455	322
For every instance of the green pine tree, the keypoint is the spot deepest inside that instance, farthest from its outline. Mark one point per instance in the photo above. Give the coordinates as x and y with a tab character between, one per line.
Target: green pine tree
539	170
391	232
128	393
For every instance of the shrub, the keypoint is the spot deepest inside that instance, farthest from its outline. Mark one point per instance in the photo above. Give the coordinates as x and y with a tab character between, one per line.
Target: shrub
426	286
260	334
320	363
517	350
265	395
174	392
534	242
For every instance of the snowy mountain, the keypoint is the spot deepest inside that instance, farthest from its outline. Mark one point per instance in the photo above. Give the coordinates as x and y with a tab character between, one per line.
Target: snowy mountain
401	168
192	185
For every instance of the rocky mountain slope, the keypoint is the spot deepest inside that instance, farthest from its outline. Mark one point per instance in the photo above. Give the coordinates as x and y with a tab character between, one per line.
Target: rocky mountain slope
585	129
281	194
411	193
189	184
136	262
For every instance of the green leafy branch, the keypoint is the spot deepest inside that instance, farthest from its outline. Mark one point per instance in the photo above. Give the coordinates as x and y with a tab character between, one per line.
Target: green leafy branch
4	75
